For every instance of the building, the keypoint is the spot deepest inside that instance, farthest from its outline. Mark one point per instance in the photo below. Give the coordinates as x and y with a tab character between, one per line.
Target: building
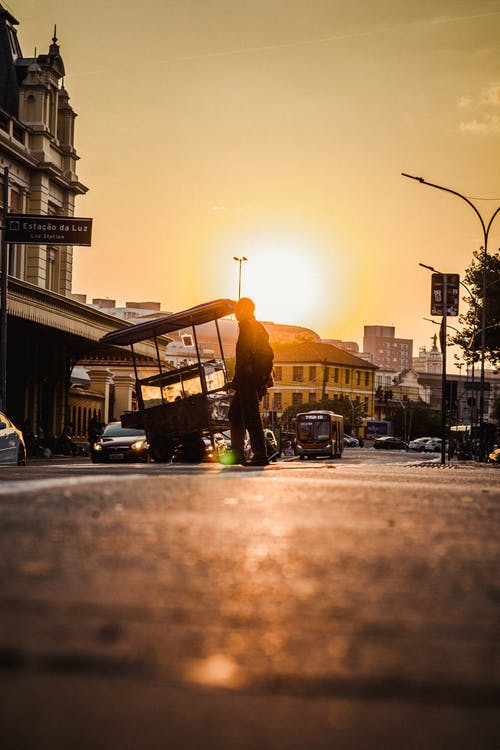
349	346
386	350
429	360
311	371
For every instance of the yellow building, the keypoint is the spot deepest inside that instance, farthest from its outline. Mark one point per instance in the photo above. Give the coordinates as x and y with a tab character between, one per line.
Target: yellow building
310	372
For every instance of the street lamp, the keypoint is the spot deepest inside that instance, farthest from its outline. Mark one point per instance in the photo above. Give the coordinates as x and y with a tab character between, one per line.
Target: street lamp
486	231
240	261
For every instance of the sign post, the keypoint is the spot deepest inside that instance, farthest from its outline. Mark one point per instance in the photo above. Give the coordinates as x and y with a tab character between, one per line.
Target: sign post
444	301
31	229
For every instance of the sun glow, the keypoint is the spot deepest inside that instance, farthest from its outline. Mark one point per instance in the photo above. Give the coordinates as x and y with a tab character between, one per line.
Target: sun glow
284	278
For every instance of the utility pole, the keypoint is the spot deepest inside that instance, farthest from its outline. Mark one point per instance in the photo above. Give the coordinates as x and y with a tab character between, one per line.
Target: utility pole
486	231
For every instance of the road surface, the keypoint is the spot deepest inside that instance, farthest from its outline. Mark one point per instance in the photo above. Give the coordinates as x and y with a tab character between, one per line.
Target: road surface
307	605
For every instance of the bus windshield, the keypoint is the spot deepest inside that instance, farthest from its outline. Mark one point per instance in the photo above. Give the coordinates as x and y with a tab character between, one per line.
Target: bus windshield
313	428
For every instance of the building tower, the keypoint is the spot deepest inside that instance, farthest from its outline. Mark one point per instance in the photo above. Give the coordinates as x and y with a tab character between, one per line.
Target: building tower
38	119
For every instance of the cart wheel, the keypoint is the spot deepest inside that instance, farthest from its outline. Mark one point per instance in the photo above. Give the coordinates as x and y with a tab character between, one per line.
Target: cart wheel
21	456
192	449
161	450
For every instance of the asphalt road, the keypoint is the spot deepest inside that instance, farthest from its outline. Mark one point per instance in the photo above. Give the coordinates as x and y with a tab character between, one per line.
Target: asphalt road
351	604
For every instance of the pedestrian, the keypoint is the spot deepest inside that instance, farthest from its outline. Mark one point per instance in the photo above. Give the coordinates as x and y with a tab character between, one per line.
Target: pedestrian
252	377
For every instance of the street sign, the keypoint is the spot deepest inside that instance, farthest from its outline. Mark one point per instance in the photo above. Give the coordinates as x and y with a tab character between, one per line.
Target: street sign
30	229
437	294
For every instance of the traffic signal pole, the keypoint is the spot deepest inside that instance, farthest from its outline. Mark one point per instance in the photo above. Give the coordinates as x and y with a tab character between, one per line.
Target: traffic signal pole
442	336
486	231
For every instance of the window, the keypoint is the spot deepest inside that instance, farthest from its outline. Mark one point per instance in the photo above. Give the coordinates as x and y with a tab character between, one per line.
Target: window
277	401
312	373
367	378
278	374
265	402
298	374
297	399
312	397
15	200
347	377
358	377
335	374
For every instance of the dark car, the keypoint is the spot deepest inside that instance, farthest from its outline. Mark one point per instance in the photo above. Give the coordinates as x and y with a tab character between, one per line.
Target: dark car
119	443
195	448
389	443
12	448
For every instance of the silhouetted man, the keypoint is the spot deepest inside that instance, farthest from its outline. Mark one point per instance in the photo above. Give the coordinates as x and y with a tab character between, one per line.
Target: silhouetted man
252	376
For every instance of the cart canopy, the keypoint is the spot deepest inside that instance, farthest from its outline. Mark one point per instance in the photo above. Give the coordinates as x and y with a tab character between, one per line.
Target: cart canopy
194	316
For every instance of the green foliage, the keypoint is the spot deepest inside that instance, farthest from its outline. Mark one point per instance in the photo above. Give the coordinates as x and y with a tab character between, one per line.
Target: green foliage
420	421
469	337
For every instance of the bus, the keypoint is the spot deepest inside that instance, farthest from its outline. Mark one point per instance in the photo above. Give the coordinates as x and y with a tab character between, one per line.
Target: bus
319	433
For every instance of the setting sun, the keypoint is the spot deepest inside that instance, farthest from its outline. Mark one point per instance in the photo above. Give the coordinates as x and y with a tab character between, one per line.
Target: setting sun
281	275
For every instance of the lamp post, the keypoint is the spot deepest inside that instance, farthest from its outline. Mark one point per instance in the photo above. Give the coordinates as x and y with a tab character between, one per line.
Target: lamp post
486	231
240	261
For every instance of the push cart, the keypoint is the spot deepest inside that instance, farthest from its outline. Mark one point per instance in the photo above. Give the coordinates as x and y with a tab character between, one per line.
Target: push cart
180	409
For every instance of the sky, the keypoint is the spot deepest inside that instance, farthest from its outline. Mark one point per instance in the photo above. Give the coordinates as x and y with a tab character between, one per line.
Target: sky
278	130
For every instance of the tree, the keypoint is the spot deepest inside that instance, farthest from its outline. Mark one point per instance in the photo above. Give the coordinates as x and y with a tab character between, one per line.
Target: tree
469	337
420	421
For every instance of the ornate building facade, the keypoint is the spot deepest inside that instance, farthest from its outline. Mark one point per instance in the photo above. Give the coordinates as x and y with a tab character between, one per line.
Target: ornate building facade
47	331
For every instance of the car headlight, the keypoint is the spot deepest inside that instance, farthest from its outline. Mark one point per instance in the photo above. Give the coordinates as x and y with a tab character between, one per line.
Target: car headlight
97	447
299	447
138	445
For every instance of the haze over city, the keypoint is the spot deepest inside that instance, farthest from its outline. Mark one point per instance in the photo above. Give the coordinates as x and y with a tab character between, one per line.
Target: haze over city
278	130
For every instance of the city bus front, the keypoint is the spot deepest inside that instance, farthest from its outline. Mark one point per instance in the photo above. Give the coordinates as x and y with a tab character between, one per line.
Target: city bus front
319	433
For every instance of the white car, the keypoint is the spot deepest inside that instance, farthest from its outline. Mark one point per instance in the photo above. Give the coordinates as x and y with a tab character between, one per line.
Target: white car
12	448
419	443
433	446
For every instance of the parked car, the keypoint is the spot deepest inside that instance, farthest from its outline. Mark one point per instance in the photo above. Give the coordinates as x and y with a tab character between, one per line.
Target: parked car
271	444
389	443
418	444
119	443
12	447
433	445
247	449
350	441
195	448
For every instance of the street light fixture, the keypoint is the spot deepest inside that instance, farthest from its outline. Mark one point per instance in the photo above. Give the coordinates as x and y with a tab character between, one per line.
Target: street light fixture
486	231
240	261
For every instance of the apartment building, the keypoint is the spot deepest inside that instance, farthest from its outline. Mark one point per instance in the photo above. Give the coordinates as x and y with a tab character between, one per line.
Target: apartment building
311	371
